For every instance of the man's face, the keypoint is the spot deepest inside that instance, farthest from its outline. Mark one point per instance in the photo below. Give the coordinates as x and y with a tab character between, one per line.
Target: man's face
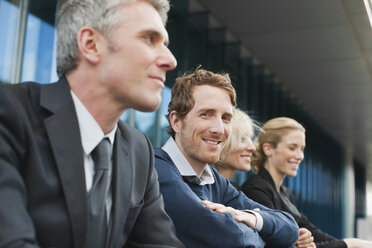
204	130
136	58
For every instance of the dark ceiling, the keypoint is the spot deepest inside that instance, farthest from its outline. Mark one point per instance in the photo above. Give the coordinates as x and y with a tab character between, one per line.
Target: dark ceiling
321	51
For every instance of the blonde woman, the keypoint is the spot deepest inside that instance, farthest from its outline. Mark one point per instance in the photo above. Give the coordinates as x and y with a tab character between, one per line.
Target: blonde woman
237	152
280	149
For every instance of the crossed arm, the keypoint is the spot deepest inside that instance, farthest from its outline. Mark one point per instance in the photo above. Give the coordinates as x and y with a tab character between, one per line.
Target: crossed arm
197	223
305	240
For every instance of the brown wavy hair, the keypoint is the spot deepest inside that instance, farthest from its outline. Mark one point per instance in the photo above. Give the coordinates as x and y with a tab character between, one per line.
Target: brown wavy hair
182	100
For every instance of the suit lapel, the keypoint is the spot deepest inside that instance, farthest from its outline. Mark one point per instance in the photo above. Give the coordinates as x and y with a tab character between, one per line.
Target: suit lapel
64	135
121	186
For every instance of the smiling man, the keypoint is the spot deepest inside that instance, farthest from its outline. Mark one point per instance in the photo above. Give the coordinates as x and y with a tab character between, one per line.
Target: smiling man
205	208
71	173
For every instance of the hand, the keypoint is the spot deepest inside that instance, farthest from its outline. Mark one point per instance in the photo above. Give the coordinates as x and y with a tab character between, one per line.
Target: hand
305	240
357	243
247	218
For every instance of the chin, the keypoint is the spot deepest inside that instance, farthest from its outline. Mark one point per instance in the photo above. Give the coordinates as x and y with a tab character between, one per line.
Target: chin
148	107
211	160
292	174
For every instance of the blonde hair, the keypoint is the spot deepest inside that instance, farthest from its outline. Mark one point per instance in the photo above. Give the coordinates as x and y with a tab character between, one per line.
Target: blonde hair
240	122
272	133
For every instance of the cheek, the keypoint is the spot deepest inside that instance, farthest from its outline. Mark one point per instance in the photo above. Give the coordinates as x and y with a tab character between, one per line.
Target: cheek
201	126
237	157
227	129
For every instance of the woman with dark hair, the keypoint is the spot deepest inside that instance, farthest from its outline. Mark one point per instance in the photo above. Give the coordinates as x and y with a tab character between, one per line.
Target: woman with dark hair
279	151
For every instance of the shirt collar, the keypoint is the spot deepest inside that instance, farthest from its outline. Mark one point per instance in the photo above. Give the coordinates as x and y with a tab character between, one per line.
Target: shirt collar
184	166
90	131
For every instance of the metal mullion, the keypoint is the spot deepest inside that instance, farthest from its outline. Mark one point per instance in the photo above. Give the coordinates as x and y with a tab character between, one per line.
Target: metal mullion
20	41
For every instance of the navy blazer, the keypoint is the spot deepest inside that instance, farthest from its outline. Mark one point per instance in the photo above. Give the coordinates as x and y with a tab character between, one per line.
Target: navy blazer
43	198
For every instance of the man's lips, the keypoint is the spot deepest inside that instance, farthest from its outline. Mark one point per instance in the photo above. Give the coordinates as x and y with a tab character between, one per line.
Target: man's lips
160	78
212	141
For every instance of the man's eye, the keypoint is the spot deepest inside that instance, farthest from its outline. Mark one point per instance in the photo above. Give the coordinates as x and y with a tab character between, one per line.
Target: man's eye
227	118
149	39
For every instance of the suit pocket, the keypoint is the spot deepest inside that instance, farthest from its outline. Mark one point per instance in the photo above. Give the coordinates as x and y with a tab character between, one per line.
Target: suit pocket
134	211
131	219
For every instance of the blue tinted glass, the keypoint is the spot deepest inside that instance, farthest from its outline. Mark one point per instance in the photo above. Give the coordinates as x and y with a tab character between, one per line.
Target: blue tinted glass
9	23
150	123
125	116
166	97
145	122
39	53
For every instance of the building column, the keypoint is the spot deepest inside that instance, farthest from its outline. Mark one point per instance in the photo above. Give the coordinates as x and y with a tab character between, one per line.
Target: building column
348	201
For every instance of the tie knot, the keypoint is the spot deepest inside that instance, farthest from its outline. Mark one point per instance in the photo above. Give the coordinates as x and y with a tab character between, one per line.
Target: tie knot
102	155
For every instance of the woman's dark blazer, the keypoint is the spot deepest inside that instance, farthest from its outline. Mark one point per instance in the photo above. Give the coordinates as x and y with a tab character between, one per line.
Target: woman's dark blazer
261	188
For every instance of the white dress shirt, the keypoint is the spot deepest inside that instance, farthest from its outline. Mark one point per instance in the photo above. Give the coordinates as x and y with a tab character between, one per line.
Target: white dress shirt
91	135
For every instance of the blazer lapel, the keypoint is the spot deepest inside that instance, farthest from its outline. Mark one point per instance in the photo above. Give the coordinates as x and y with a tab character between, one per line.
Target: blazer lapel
64	135
121	186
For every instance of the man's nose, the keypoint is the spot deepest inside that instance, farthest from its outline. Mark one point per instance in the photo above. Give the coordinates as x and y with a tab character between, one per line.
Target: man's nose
166	60
217	126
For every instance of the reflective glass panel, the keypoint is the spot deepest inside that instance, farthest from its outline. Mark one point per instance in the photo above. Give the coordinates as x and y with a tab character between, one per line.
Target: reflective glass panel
39	56
9	14
166	97
153	124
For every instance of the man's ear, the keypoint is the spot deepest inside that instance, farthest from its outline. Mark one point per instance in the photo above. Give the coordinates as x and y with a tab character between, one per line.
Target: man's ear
90	43
267	149
175	122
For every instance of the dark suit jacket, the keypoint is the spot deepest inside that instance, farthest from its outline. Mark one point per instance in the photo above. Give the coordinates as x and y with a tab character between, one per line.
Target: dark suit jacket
261	188
43	198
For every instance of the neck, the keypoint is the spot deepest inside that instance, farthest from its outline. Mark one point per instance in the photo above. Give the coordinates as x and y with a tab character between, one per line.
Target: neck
197	166
277	176
226	171
96	100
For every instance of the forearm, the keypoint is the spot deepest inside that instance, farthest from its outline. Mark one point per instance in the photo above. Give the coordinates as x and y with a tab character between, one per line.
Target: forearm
198	226
17	227
279	228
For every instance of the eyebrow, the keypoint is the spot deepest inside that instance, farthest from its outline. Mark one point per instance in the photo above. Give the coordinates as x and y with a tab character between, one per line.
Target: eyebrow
210	110
206	110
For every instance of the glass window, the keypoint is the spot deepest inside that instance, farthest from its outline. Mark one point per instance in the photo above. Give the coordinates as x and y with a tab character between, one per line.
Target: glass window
39	56
154	124
163	111
9	16
146	123
125	116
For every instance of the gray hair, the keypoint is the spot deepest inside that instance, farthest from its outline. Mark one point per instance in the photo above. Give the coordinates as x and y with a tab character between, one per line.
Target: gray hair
102	15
